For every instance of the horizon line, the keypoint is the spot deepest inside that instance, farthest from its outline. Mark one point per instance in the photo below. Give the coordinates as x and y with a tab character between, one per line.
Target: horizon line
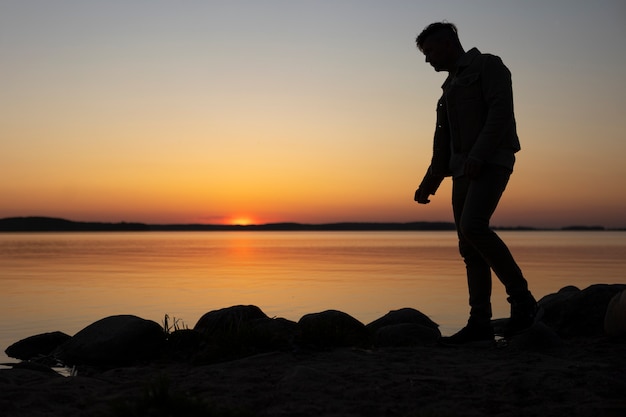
43	224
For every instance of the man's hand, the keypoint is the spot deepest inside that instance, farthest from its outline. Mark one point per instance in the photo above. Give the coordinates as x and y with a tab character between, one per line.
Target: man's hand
421	196
473	167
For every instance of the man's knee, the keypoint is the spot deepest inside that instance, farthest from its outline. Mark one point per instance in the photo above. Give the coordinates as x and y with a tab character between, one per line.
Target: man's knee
469	253
473	229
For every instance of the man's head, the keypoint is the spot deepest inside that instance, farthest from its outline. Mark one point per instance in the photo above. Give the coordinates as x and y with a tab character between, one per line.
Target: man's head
440	44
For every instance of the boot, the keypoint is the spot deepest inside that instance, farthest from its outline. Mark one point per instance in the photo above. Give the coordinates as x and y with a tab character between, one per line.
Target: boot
523	313
473	332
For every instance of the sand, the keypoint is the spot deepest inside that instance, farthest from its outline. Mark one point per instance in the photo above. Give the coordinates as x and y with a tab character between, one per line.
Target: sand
585	377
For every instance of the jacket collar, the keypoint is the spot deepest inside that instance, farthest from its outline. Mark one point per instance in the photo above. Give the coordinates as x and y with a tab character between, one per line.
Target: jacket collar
464	61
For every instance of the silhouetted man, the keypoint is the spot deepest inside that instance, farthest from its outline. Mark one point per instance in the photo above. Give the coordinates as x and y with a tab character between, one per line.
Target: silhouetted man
475	142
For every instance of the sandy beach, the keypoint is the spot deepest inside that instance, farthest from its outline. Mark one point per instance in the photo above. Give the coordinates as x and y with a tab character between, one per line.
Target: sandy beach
584	377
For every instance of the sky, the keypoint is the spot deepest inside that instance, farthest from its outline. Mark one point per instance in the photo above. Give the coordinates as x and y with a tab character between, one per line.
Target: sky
264	111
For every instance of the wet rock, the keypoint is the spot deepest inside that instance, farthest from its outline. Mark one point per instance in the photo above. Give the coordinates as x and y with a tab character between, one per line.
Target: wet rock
113	341
331	328
36	346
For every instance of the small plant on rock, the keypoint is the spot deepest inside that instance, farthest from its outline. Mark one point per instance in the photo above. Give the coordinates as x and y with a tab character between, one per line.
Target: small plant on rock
173	325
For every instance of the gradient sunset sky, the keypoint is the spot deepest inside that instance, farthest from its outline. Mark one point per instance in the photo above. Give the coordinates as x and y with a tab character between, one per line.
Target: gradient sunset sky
306	111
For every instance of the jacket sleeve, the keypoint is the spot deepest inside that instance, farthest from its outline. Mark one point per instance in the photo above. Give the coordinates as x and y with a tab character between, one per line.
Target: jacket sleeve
431	182
499	120
440	161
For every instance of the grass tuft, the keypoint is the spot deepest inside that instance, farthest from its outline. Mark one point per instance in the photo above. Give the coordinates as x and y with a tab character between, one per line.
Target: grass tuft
174	325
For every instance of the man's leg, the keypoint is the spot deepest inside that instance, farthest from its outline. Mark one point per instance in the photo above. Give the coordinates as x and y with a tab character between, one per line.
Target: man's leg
482	198
478	270
478	327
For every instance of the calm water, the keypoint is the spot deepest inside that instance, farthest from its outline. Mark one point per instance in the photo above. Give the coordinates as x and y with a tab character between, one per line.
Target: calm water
65	281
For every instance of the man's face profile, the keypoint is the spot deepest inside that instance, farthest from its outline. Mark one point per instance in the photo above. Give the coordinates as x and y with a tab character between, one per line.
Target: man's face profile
436	52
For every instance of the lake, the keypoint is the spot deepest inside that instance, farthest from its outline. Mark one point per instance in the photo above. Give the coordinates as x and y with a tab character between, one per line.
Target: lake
66	281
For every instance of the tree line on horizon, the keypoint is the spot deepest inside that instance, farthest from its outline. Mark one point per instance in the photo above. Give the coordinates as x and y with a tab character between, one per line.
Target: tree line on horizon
51	224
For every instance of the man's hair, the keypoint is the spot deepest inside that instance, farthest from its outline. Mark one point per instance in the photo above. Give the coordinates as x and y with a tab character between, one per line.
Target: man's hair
440	29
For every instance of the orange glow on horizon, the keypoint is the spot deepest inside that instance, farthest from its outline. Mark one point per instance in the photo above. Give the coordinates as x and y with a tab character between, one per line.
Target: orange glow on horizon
241	221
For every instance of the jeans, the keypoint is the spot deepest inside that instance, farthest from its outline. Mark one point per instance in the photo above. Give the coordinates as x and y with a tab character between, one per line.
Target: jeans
474	202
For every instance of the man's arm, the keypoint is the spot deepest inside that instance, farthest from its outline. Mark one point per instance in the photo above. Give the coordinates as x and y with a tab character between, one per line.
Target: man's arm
427	187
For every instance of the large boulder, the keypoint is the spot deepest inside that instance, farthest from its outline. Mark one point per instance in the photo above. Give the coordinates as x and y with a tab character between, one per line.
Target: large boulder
402	316
615	317
572	312
404	327
229	321
274	334
331	328
37	346
113	341
229	333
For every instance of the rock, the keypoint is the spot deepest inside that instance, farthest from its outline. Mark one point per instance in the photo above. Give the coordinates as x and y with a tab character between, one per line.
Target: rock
229	333
228	321
33	366
274	334
36	346
539	337
562	295
574	313
406	334
332	328
113	341
404	327
182	344
402	316
615	316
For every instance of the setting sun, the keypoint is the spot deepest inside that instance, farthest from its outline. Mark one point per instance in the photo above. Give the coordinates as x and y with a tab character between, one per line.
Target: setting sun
241	221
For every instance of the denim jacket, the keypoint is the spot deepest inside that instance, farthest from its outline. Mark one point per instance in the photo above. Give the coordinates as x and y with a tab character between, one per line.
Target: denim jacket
475	119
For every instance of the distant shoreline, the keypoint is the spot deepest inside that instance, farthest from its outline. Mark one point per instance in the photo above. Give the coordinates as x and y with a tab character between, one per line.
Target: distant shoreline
51	224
